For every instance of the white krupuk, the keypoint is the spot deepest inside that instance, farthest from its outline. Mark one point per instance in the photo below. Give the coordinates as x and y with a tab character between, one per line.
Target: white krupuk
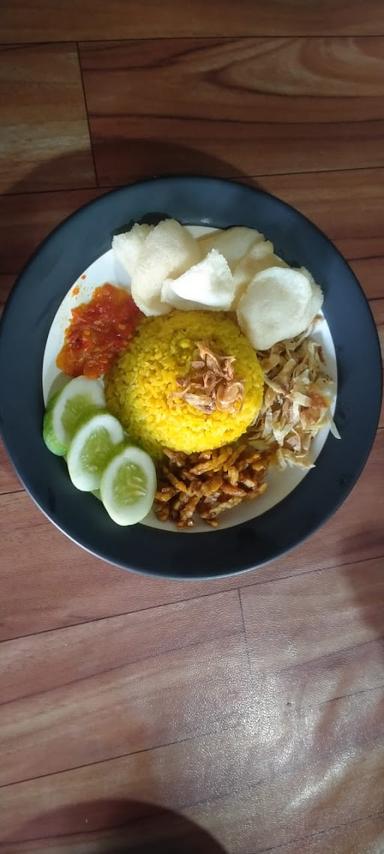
167	251
233	243
127	246
206	285
278	303
260	257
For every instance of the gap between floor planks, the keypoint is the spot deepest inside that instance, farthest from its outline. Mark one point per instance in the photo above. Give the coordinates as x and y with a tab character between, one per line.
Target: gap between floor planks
234	584
94	21
235	178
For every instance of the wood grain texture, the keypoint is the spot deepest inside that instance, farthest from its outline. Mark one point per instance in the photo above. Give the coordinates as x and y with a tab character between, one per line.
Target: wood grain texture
62	585
27	218
43	117
377	308
277	776
324	96
369	272
164	658
321	776
9	481
242	715
26	21
346	206
308	663
360	835
172	833
7	280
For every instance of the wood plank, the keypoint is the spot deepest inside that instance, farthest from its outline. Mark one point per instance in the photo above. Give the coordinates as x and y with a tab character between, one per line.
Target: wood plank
323	96
133	826
9	481
157	677
27	218
274	778
23	20
328	773
7	280
361	835
319	636
133	713
159	827
44	140
334	202
274	78
228	149
59	584
369	272
377	308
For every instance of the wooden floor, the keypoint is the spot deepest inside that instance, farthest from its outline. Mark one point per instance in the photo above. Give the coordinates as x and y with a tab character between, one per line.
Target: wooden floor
244	715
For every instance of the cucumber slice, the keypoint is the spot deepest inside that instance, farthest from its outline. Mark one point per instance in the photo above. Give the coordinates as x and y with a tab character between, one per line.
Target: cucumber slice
91	449
68	409
128	486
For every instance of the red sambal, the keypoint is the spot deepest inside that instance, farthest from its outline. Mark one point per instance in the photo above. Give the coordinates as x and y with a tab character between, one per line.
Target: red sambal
98	332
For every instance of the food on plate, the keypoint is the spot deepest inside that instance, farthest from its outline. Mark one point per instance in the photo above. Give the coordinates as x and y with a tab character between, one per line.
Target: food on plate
99	330
208	484
209	369
260	257
234	243
278	304
128	245
67	410
142	387
167	251
297	399
91	448
95	444
211	383
208	284
128	486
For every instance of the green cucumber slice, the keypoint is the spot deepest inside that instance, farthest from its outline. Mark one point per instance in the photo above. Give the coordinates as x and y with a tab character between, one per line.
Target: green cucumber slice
128	486
91	449
68	409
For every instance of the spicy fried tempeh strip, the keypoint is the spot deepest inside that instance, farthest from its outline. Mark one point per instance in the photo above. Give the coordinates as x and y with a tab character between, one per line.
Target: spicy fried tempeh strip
189	508
217	461
209	483
165	493
228	489
177	482
219	508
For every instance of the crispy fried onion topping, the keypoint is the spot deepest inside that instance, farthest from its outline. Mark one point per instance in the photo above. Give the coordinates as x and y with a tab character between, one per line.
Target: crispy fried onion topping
211	383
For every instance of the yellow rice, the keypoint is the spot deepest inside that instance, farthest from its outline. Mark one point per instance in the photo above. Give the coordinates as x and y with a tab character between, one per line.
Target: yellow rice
140	387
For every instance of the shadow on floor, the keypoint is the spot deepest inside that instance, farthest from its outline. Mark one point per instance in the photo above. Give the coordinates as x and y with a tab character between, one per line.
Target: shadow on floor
131	161
112	827
25	224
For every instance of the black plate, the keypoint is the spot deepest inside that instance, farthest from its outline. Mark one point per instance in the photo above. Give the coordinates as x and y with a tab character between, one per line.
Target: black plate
26	323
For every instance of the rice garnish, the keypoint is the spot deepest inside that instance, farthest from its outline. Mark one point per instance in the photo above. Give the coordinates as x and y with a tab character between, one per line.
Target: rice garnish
211	383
